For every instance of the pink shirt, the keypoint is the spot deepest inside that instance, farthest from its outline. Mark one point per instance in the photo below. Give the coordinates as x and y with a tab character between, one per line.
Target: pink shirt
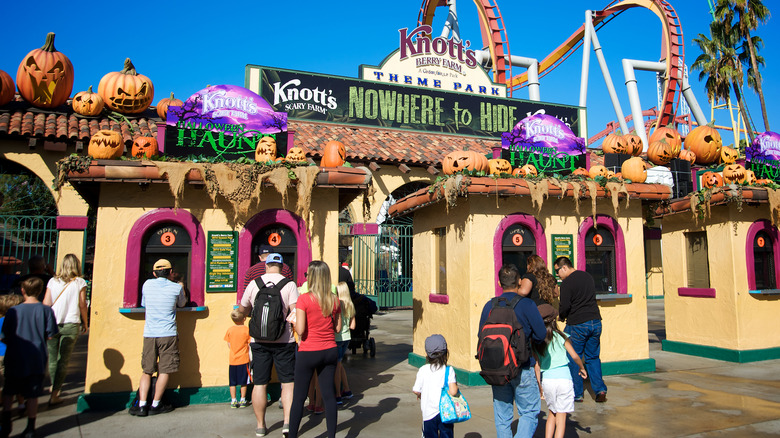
320	333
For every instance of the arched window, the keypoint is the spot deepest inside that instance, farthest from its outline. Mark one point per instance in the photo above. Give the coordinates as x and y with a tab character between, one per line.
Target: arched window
517	245
518	248
601	251
762	254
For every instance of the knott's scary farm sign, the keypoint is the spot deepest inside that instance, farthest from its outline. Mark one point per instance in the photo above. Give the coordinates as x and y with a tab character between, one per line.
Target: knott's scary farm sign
763	156
223	121
309	96
545	142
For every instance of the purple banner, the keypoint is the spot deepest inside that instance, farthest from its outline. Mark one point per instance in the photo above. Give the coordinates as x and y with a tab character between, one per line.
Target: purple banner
544	135
766	146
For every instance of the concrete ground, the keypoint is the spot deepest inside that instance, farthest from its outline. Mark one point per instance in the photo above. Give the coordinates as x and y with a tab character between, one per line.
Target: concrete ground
686	397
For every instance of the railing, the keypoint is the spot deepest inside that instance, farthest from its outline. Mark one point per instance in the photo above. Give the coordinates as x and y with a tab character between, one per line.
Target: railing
22	237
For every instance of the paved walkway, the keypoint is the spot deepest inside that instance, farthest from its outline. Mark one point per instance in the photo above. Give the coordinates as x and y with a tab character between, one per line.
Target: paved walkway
686	397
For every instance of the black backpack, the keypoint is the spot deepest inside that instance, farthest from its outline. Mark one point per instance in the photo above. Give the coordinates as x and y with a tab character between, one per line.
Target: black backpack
268	315
502	348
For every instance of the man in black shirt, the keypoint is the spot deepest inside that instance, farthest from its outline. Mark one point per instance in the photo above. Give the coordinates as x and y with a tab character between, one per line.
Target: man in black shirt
580	310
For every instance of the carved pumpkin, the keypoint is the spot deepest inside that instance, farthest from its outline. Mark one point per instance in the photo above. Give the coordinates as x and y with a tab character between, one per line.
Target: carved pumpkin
618	175
45	76
634	169
728	155
711	179
334	154
126	91
614	144
670	135
633	144
498	166
462	160
144	147
518	172
598	171
106	145
7	89
687	155
705	142
529	170
750	177
610	174
87	103
266	149
164	103
660	152
581	171
734	173
295	155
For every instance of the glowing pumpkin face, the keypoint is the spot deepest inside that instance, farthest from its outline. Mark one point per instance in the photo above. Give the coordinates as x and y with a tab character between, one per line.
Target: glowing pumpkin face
464	160
144	147
295	155
106	145
734	173
87	103
265	150
126	91
499	166
598	171
711	179
529	170
728	155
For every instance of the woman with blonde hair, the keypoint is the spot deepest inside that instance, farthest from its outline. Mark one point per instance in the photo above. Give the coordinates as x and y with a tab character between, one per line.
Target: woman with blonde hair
317	320
537	283
66	294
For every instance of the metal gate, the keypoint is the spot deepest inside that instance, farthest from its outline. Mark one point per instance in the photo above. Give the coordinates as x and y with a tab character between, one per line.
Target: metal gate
22	237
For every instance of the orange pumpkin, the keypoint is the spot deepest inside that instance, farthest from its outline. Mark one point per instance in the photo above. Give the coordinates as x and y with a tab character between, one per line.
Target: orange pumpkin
660	152
670	135
581	171
464	160
614	143
518	172
728	155
164	103
733	173
266	149
126	91
705	142
498	166
634	169
633	144
750	177
598	171
87	103
529	170
334	154
295	155
687	155
106	145
7	89
45	76
144	147
764	181
711	179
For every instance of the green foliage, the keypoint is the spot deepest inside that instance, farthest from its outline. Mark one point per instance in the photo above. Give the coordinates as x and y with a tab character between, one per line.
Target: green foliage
26	195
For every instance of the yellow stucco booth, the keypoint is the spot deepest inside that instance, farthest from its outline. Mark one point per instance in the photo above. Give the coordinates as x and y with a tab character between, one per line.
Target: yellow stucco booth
211	243
460	244
721	277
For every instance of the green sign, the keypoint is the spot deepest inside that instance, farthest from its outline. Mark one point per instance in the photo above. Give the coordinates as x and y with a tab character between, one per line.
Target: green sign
562	246
221	266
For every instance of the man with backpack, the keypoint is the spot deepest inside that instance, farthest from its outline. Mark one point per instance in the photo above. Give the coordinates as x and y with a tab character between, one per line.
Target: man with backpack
269	300
508	325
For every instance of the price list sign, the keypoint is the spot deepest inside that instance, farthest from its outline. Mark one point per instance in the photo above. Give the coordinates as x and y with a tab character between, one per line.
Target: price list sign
562	246
221	261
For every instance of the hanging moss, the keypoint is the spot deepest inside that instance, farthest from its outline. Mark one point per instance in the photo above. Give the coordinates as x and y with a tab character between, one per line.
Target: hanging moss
176	173
773	196
576	194
539	191
72	163
592	187
615	188
307	177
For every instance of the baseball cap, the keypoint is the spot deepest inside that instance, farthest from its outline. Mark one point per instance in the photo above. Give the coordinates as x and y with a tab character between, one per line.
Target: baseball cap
162	264
435	344
265	249
547	311
274	258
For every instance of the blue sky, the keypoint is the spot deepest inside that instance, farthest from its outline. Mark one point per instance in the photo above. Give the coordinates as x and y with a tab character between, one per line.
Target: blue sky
185	46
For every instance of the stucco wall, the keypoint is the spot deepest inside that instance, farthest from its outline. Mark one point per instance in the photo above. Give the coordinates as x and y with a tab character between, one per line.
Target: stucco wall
385	180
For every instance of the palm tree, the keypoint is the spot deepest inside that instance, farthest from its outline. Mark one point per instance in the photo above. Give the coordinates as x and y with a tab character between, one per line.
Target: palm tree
750	13
719	64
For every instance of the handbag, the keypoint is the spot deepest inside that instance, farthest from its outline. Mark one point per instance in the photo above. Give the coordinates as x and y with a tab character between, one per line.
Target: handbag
452	409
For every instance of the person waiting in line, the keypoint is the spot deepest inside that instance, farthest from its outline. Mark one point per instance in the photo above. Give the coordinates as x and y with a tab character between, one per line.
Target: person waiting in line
255	271
537	283
36	267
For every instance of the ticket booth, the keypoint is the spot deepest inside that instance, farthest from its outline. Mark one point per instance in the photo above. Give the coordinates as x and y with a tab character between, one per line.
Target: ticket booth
281	239
600	259
517	244
166	241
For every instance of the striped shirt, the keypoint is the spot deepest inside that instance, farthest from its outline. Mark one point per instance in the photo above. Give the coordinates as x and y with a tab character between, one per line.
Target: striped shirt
160	297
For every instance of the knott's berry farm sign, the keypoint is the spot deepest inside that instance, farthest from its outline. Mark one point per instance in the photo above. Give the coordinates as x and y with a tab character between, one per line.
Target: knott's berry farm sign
763	156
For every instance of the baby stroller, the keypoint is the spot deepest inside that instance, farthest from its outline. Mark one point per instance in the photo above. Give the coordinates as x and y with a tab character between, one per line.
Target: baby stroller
361	335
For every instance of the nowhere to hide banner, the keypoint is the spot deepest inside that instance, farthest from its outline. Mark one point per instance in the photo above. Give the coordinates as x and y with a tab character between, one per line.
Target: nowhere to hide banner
763	156
307	96
545	142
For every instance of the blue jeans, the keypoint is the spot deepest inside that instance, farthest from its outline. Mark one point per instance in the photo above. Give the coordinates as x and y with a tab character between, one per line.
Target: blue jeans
523	391
434	428
586	340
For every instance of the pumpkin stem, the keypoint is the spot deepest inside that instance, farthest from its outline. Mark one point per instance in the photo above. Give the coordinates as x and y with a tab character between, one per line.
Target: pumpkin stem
89	90
129	68
171	95
48	46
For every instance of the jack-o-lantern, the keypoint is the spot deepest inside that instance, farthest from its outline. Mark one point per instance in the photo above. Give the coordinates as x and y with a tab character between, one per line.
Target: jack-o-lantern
529	170
734	173
266	149
705	142
687	155
610	174
498	166
126	91
464	160
614	144
334	154
671	136
295	155
7	89
598	170
633	144
750	177
711	179
728	155
144	147
45	76
164	103
634	169
106	145
660	152
581	171
518	172
87	103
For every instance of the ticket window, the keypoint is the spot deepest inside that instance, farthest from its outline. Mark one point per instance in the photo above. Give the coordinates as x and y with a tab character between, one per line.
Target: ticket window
764	258
281	240
517	244
171	242
600	259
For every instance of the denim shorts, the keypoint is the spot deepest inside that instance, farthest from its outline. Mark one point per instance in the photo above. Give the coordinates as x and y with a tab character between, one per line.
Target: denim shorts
342	348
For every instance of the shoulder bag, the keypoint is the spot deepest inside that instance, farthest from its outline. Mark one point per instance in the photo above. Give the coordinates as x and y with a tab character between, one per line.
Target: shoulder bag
452	409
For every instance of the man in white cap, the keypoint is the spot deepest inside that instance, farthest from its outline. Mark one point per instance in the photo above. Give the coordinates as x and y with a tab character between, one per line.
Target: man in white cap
160	297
